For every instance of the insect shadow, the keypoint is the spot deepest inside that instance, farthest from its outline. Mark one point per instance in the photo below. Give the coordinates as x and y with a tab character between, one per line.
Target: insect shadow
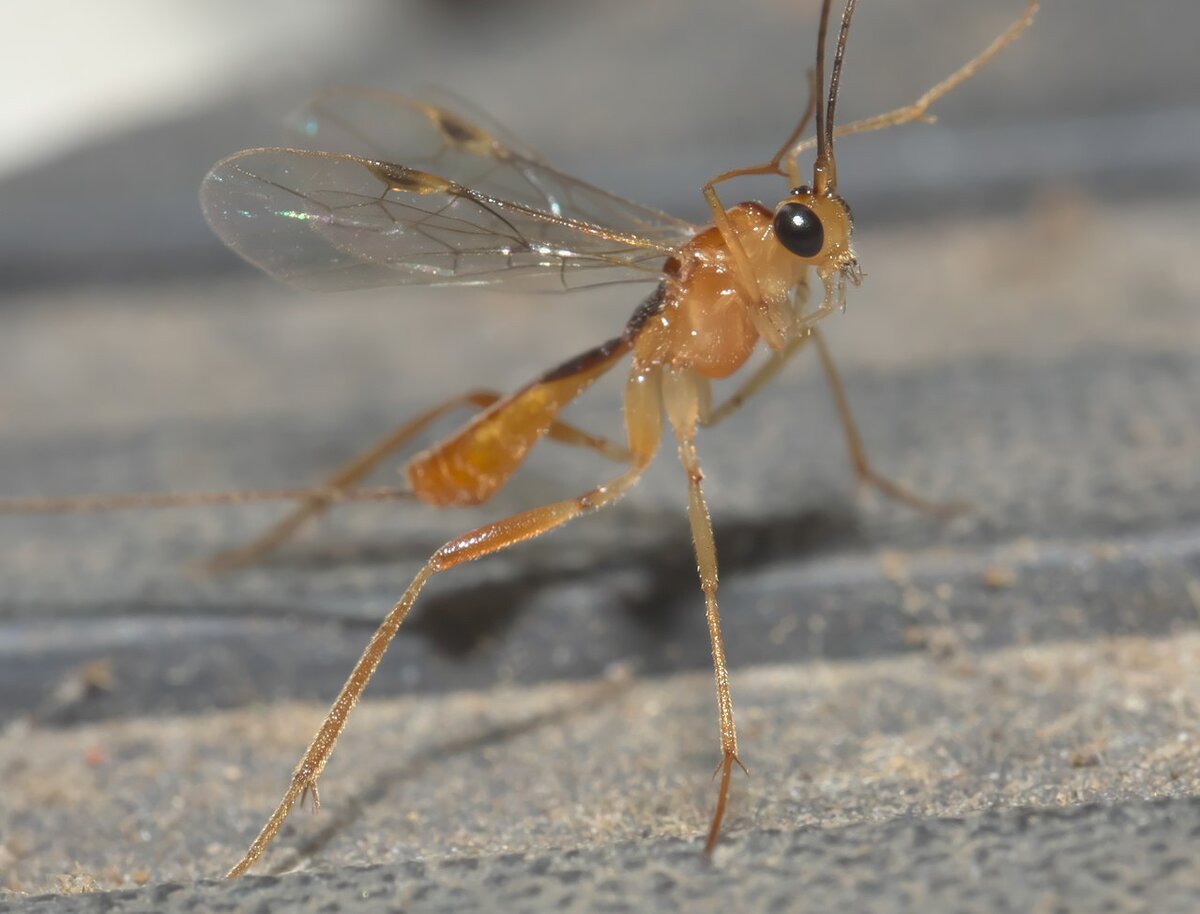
411	768
462	620
418	194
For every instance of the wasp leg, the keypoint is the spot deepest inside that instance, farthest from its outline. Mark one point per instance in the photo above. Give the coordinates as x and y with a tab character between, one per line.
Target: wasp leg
858	455
643	429
745	273
919	110
364	464
752	385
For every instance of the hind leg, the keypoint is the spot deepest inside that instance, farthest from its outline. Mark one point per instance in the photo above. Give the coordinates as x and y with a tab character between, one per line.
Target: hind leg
357	469
643	429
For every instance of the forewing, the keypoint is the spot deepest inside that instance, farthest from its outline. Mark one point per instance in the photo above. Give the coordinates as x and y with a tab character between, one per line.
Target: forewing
467	148
326	221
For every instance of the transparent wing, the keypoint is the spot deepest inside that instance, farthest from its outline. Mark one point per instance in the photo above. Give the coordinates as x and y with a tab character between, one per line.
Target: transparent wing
329	221
450	139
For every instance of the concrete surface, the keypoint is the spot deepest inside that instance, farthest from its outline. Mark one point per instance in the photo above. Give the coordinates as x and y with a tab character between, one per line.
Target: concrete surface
999	713
1036	653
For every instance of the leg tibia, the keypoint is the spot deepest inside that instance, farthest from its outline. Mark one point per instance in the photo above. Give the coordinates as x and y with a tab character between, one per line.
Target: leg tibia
364	464
683	395
642	423
344	477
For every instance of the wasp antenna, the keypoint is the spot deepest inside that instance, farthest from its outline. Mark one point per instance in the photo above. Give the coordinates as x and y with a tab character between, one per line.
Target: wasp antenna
825	167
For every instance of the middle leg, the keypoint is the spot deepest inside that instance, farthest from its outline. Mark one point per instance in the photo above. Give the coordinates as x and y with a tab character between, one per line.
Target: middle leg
683	395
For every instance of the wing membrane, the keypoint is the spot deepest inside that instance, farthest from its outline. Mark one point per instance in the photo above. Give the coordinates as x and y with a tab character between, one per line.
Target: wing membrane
469	150
334	221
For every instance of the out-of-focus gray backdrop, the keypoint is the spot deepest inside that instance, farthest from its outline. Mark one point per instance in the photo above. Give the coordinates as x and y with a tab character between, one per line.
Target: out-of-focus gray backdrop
111	122
996	711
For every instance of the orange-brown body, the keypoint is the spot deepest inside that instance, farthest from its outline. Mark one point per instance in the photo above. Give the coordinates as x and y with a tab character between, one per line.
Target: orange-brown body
706	323
470	466
699	321
721	291
329	220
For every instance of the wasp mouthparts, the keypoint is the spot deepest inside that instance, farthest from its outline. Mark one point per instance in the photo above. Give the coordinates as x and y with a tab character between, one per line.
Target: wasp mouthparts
852	271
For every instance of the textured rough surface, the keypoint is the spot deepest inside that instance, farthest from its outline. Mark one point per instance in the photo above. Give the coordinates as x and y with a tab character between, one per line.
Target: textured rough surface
998	713
478	775
998	862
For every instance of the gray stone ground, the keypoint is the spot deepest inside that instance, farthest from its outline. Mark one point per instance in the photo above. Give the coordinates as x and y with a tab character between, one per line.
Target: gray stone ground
999	713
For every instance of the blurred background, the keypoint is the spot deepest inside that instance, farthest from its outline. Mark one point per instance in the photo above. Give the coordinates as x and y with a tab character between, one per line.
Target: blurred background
112	117
1028	337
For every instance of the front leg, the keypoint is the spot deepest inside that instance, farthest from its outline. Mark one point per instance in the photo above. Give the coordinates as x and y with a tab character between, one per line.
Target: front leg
867	475
767	320
863	469
762	376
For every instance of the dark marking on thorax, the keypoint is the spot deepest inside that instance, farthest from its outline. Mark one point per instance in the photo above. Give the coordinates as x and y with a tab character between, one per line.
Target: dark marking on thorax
610	349
653	304
585	360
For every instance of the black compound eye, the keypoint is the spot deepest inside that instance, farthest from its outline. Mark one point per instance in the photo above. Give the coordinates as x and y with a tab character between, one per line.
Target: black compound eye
799	230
